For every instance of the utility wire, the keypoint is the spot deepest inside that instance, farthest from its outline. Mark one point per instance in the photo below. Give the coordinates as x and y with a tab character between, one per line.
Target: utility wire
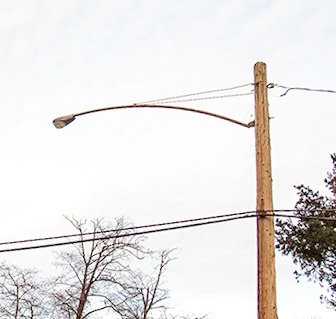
173	98
204	98
272	85
187	224
145	232
275	213
304	217
127	228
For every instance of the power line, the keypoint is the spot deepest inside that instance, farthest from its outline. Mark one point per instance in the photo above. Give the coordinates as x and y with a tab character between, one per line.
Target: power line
272	85
304	217
174	225
275	213
145	232
126	229
205	98
173	98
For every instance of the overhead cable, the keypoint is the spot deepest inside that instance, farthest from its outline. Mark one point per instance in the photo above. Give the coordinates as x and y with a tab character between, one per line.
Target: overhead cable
175	99
172	226
136	233
204	98
127	228
272	85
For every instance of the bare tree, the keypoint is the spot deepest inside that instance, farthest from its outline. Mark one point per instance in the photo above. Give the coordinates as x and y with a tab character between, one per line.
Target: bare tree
140	294
91	268
97	277
21	293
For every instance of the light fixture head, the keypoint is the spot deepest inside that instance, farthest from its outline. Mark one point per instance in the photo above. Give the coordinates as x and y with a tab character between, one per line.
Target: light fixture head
62	121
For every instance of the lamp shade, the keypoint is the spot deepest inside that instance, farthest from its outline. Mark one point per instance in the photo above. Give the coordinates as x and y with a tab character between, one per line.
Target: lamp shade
63	120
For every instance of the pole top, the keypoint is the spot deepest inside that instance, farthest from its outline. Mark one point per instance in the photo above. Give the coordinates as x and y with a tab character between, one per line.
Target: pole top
260	63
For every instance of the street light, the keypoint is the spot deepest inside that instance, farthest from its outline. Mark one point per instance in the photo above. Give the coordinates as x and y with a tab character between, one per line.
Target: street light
62	121
265	222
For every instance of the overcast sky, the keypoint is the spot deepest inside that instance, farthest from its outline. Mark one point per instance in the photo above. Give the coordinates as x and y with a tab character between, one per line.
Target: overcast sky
62	57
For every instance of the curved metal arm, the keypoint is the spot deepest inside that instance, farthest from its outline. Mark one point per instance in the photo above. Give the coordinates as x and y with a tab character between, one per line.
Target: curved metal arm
62	121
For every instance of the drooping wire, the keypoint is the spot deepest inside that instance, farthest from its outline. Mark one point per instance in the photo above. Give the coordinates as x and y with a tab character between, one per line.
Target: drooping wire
173	226
205	98
175	99
136	233
126	228
275	213
272	85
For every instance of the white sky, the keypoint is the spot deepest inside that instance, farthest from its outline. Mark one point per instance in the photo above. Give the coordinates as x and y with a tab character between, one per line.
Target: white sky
62	57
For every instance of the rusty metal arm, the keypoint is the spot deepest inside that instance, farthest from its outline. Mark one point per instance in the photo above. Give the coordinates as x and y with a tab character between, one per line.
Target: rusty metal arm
62	121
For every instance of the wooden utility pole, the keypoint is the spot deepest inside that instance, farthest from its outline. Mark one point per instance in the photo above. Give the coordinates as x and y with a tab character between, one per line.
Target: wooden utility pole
265	224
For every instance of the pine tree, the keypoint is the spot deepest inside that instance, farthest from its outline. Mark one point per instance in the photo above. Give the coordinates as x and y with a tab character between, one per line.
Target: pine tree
312	242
